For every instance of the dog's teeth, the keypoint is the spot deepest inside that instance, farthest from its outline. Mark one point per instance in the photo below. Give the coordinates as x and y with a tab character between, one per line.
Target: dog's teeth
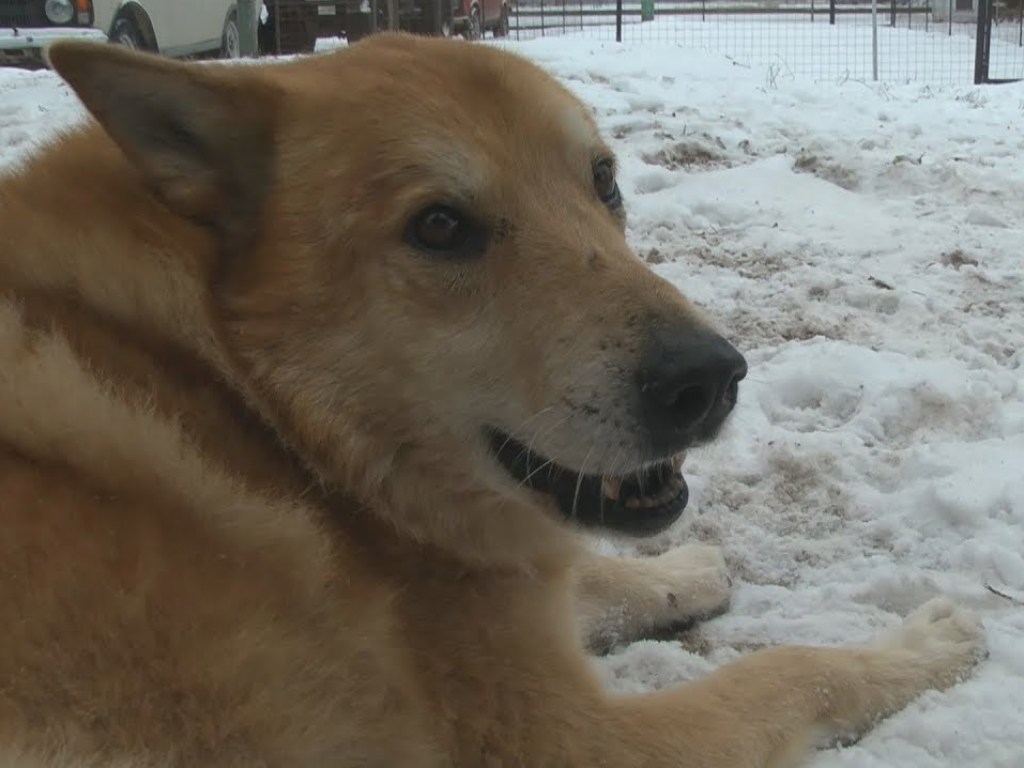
611	486
665	496
671	489
668	490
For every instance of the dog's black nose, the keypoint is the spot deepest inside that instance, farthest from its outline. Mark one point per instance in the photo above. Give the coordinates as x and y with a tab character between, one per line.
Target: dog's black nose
688	386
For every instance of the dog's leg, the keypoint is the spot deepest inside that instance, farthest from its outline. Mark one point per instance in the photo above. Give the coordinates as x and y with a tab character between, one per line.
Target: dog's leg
622	599
766	708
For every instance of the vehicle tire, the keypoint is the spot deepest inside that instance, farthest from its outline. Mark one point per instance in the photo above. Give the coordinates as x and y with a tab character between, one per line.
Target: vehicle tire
501	30
230	39
126	33
437	19
475	31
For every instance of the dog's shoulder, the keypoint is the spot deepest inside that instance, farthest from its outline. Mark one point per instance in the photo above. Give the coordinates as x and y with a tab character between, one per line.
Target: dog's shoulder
155	540
157	534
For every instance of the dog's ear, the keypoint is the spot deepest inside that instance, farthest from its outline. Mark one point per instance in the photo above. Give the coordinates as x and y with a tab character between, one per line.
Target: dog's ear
202	136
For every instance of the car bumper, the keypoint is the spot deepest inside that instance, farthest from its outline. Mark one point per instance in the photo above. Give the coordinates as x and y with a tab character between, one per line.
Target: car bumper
24	47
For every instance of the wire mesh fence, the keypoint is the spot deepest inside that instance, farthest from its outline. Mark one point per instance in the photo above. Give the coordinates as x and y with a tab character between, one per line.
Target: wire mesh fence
898	40
1005	49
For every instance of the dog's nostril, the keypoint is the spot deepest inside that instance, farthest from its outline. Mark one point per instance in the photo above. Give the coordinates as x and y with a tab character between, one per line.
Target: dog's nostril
691	403
732	391
739	368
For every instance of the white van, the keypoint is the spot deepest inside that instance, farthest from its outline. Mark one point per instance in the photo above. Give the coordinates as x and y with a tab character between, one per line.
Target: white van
170	27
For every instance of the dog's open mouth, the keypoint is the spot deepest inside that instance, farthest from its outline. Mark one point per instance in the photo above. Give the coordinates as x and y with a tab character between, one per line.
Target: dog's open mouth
640	504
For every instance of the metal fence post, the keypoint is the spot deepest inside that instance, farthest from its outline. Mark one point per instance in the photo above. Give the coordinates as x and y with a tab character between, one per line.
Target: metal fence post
248	45
832	12
618	21
982	41
874	40
277	27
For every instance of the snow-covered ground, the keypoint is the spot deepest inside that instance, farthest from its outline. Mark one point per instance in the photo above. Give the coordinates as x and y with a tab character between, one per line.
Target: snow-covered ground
862	245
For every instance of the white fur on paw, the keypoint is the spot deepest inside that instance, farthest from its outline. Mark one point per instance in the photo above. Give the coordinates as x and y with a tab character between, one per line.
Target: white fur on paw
695	581
946	638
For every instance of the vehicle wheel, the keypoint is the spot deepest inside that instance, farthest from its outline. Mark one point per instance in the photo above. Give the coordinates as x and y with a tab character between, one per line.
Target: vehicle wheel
127	34
230	40
501	30
436	19
476	27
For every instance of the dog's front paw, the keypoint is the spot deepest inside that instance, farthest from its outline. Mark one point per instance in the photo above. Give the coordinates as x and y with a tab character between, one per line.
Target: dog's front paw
945	640
694	581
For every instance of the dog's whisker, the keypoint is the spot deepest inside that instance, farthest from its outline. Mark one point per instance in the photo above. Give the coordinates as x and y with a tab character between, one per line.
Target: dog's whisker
579	482
616	466
528	447
526	421
527	451
542	466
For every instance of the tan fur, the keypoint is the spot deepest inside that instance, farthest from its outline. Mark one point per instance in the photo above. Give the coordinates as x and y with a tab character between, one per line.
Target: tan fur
249	517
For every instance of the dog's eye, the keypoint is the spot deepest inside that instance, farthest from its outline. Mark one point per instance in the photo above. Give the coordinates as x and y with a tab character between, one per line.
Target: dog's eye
441	229
605	184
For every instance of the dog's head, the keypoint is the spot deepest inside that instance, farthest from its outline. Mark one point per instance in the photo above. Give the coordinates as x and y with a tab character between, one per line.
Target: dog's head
424	278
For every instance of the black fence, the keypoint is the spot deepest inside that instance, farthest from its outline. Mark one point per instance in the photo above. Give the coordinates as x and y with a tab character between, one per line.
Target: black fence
999	52
940	41
934	41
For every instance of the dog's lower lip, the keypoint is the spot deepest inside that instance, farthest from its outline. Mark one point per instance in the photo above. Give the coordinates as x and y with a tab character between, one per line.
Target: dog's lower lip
643	502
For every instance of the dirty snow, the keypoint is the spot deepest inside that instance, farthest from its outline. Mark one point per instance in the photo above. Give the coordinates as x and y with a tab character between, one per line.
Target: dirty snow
861	243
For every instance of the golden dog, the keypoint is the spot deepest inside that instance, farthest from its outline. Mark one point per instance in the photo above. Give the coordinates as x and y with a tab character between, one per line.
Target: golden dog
309	375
